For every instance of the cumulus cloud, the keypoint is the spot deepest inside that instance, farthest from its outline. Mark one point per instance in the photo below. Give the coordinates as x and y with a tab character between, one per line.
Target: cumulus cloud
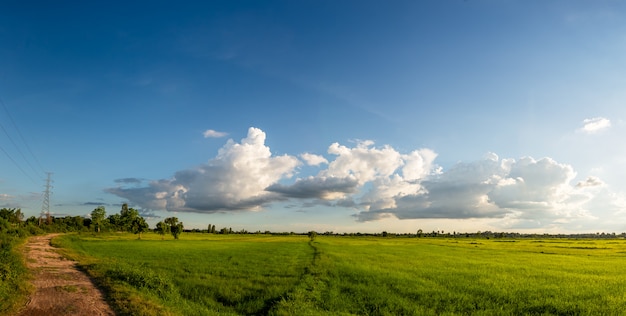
209	133
363	162
594	125
313	160
235	179
590	182
386	173
379	182
518	191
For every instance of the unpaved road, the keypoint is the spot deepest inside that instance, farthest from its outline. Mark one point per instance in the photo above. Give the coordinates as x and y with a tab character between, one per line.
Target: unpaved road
61	289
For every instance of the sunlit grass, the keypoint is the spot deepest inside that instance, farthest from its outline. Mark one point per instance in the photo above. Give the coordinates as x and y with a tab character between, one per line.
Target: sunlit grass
210	274
14	277
205	274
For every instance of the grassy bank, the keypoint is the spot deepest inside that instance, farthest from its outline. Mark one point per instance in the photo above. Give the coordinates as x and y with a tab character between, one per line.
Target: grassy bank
206	274
14	276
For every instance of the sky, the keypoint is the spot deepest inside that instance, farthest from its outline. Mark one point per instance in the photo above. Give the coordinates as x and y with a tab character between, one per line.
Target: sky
342	116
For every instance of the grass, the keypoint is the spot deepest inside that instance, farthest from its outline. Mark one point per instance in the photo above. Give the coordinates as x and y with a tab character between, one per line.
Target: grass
14	276
205	274
213	275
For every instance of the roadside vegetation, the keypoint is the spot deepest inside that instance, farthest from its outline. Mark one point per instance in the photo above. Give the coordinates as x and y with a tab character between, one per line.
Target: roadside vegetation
264	274
13	274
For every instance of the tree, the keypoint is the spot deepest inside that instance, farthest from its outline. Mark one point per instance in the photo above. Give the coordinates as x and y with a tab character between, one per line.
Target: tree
12	215
420	233
128	220
138	225
128	217
162	228
124	209
176	227
115	221
312	235
97	217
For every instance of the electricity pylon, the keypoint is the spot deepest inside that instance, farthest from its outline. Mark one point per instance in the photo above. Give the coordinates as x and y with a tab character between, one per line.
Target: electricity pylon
45	207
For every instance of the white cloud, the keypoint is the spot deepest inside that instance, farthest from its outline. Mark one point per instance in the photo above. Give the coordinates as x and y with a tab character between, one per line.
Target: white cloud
209	133
380	182
234	180
590	182
387	173
594	125
363	162
528	191
313	160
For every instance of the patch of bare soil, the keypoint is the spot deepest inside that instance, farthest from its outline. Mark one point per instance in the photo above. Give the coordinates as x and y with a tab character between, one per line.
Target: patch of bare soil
61	289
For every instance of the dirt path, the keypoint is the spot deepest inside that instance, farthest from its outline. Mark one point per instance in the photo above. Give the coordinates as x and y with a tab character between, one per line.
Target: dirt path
61	289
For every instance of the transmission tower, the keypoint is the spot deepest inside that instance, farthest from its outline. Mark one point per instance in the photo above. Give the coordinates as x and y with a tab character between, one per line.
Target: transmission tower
45	207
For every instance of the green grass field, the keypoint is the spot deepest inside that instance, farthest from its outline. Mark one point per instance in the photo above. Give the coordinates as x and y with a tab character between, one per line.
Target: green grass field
203	274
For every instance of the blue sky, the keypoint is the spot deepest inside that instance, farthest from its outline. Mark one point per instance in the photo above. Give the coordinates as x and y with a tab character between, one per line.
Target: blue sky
337	116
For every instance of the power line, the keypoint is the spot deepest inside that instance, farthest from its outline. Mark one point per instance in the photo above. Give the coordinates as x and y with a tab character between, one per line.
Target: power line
21	136
18	149
17	165
16	146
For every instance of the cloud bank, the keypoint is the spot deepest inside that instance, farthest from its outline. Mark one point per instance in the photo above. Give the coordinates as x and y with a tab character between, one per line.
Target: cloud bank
379	182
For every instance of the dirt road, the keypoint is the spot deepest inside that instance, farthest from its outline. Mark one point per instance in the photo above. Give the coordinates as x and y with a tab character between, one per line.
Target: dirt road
61	289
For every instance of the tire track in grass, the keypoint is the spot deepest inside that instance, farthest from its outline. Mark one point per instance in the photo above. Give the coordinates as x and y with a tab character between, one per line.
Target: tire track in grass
303	297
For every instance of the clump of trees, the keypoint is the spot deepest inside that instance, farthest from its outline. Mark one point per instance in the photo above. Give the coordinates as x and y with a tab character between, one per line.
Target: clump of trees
128	220
170	225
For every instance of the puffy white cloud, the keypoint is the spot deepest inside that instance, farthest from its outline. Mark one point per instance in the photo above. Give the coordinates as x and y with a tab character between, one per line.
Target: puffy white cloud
313	160
531	184
591	181
529	191
380	182
209	133
235	179
596	124
418	164
461	192
363	162
385	172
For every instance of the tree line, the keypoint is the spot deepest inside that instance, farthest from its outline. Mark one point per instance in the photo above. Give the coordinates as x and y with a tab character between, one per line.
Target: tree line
12	223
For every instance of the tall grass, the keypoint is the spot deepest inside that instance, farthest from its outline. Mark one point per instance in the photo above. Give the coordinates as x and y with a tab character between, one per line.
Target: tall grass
13	273
290	275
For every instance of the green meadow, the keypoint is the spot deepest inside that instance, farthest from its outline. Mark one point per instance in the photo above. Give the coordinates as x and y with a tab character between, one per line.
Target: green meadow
206	274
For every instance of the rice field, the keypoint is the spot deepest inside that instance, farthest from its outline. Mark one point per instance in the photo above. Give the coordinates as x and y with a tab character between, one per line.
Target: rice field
206	274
